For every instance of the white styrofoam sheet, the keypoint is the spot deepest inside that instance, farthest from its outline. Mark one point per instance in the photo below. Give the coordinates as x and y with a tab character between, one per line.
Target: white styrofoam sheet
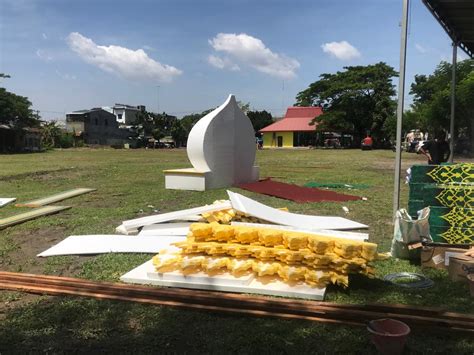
6	200
140	275
169	229
101	244
259	210
165	217
331	233
202	277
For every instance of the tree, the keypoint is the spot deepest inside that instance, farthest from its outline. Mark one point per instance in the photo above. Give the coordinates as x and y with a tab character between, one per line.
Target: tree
245	107
50	134
188	122
432	99
260	119
15	109
178	133
357	100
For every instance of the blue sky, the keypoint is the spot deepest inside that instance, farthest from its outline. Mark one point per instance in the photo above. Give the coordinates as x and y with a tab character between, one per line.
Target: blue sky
186	55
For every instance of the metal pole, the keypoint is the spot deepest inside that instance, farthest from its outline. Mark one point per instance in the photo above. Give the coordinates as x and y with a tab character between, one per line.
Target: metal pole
453	102
158	99
401	97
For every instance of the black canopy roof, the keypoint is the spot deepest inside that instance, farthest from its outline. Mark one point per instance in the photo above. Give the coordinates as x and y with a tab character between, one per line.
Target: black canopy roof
457	19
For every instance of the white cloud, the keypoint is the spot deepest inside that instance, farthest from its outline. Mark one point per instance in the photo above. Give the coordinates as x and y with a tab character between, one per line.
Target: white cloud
420	48
341	50
43	55
65	76
149	48
124	62
252	51
222	63
44	35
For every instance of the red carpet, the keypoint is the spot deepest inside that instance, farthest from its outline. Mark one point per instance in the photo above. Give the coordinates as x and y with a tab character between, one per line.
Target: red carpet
294	192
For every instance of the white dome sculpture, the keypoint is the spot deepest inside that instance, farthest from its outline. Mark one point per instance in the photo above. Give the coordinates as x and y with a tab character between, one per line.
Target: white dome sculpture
221	147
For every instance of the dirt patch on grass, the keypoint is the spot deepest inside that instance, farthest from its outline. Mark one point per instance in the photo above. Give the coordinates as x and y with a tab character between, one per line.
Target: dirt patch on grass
34	242
23	259
42	174
29	244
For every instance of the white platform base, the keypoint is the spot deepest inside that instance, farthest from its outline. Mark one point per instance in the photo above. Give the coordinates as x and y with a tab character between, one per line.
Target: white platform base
192	179
185	179
146	274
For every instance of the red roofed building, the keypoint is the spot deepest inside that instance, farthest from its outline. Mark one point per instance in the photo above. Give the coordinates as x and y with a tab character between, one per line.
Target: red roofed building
293	130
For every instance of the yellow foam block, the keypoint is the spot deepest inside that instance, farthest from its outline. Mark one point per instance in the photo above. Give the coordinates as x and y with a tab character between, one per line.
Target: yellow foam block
246	235
222	232
270	237
295	241
200	229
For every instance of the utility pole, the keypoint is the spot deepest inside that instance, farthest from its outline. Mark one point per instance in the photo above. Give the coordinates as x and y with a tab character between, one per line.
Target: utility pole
158	99
401	98
453	101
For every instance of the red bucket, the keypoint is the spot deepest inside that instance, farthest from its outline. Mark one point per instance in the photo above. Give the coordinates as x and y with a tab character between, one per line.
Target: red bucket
388	335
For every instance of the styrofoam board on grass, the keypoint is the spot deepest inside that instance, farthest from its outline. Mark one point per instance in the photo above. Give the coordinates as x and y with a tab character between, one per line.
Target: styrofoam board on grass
32	214
176	229
256	209
139	275
133	224
225	279
6	200
325	232
55	198
106	243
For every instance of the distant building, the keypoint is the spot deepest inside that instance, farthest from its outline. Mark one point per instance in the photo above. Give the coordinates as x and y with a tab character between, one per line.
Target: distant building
125	114
19	139
293	130
96	126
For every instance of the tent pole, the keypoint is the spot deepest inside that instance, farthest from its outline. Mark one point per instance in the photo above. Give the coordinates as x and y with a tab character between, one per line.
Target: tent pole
401	98
453	101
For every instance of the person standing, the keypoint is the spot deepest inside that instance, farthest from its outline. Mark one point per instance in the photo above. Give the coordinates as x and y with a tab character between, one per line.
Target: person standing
437	151
367	143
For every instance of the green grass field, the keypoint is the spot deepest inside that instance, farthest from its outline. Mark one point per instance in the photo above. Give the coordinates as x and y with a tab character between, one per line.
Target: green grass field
128	182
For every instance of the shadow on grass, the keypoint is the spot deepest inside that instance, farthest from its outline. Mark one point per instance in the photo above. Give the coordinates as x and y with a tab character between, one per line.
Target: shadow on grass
445	294
83	325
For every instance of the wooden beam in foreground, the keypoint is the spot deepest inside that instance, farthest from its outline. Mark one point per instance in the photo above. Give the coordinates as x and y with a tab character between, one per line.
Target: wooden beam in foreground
23	217
354	315
55	198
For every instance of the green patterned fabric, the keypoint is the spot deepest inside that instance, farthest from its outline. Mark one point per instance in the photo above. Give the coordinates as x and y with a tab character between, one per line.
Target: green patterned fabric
414	206
457	173
455	217
416	191
449	192
452	235
443	174
449	196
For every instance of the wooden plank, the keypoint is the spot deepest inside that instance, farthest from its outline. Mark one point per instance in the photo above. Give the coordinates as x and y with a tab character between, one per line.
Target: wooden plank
211	296
64	290
55	198
23	217
237	303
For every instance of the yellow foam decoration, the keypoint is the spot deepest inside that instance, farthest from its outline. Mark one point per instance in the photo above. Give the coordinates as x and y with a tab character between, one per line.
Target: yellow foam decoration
188	264
228	215
319	244
286	256
293	257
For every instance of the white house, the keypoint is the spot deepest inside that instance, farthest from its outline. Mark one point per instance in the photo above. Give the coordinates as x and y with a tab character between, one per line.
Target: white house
125	114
